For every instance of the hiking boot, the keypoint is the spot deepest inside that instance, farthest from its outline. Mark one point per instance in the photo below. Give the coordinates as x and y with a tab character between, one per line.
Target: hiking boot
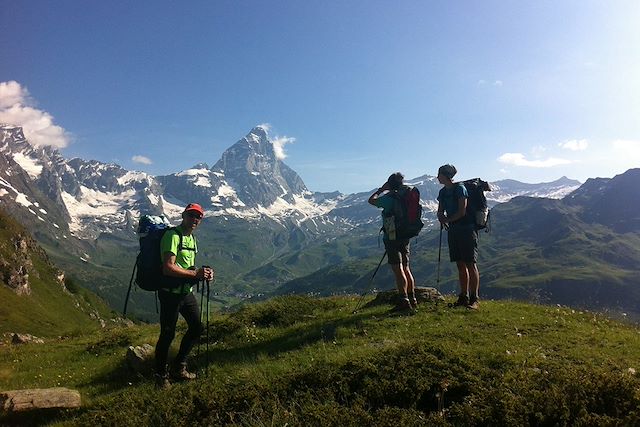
414	302
463	301
473	303
162	381
403	306
180	373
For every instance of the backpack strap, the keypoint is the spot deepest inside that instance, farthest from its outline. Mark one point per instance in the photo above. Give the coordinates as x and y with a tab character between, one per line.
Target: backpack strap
181	245
179	233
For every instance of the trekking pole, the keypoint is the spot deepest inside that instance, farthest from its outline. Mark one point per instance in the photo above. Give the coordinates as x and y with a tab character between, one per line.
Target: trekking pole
208	289
370	283
200	288
126	300
439	253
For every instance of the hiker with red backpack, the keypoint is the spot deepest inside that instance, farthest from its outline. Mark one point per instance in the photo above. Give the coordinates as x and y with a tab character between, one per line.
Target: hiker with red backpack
462	234
178	251
401	216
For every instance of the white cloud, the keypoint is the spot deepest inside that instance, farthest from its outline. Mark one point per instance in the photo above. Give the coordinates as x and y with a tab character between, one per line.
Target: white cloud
16	109
142	159
11	93
497	83
265	126
482	82
278	146
518	159
575	144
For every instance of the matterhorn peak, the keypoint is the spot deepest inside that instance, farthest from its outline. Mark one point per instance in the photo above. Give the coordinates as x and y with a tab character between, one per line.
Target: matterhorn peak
256	137
261	131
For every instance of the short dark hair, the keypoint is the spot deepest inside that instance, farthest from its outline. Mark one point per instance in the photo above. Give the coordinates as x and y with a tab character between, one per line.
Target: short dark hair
395	180
448	170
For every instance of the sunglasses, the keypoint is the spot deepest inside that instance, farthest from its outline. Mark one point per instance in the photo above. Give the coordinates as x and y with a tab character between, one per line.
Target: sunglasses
194	215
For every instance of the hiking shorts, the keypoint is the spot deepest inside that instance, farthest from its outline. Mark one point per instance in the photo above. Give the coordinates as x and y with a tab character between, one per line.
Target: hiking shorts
397	251
463	243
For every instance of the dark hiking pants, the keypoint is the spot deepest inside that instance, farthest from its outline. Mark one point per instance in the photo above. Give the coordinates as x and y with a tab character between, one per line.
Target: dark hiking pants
170	306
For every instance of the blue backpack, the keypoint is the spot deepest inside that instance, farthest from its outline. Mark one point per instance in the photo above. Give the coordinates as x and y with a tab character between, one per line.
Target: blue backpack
149	261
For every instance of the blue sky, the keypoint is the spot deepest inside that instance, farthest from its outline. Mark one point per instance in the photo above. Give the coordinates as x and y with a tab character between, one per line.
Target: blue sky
502	89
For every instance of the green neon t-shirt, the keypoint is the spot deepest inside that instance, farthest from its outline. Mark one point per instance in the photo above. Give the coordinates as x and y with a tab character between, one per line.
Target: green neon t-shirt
185	255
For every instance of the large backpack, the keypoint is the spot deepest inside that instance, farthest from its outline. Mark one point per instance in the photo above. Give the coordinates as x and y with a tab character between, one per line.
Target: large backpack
405	220
149	261
477	210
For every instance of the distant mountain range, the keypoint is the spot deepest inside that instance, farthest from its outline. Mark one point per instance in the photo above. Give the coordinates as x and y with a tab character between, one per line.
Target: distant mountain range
264	227
87	197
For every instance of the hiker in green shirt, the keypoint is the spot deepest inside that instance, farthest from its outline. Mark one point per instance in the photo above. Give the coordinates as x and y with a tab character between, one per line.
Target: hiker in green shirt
178	251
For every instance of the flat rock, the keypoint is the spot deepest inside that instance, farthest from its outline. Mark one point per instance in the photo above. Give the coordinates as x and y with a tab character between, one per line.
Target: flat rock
423	295
39	398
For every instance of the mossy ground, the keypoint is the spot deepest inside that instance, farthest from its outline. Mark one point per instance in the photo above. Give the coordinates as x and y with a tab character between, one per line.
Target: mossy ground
304	361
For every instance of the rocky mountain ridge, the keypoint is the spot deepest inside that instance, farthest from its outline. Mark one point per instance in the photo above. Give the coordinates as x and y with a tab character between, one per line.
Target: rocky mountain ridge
248	182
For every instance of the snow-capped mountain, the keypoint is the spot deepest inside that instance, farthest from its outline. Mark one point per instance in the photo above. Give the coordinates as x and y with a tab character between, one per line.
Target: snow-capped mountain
87	197
249	182
507	189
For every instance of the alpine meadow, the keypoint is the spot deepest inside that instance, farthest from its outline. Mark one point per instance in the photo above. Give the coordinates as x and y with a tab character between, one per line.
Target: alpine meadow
345	213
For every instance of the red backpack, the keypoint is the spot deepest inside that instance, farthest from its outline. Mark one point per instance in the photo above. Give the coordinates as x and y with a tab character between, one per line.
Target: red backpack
406	214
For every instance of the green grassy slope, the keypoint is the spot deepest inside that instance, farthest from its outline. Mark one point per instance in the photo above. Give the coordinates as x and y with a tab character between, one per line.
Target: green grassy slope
303	361
49	310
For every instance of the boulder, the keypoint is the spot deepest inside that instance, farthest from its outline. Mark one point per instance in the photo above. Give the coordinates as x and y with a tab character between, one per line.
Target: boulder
423	295
25	338
39	398
139	358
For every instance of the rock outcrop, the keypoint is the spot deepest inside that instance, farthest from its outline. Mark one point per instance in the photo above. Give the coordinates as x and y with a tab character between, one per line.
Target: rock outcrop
39	398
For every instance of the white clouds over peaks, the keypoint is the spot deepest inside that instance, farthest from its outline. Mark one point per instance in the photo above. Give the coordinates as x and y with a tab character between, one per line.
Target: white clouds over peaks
265	126
142	159
575	144
518	159
16	109
278	146
11	93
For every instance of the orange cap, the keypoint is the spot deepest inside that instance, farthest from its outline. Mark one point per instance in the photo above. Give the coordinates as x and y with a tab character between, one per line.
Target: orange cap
194	207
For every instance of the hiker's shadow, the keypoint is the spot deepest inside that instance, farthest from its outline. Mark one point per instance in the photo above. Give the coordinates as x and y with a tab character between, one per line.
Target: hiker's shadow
296	336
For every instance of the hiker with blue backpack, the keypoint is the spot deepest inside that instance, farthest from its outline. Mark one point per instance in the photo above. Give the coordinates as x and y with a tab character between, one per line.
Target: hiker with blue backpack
462	235
401	217
178	250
